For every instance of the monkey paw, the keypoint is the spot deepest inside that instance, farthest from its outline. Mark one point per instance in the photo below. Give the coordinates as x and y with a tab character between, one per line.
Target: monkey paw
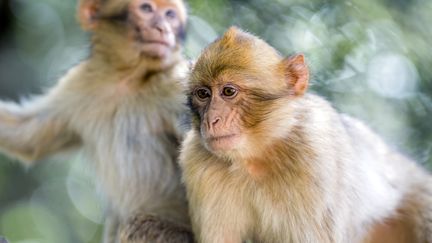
152	229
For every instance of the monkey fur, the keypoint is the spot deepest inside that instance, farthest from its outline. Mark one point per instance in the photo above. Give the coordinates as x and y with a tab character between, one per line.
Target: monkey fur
267	162
122	107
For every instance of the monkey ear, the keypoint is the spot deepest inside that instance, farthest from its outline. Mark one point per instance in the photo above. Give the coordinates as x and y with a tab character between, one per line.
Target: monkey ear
297	73
87	13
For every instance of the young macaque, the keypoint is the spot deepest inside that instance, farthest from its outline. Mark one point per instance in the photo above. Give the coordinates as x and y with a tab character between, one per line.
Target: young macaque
122	106
266	162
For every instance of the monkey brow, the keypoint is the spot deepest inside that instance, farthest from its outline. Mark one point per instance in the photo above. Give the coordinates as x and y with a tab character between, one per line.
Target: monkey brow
117	17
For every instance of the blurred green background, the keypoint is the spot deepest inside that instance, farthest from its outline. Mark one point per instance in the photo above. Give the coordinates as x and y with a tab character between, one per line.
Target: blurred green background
371	58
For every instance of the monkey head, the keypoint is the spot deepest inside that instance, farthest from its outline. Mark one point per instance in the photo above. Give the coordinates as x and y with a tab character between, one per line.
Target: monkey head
239	90
135	29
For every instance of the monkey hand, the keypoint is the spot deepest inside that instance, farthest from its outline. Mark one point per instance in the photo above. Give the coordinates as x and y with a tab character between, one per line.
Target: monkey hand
146	228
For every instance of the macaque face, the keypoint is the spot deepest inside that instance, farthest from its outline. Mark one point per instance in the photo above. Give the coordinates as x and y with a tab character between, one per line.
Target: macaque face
219	110
153	28
230	109
156	26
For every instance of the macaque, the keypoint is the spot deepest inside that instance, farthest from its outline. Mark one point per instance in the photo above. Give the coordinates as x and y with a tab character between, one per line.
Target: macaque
122	107
267	162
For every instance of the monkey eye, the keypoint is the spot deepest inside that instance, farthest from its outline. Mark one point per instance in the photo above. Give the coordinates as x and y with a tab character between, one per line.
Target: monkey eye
171	14
147	8
203	93
229	91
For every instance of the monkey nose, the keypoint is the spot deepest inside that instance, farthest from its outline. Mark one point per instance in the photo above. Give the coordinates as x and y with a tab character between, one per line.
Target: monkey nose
160	26
215	121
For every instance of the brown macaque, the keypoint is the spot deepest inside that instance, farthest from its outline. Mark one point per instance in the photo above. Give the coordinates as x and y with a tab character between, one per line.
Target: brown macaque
122	106
267	162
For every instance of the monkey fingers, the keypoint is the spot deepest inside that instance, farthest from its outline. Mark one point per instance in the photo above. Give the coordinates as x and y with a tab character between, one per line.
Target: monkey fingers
146	228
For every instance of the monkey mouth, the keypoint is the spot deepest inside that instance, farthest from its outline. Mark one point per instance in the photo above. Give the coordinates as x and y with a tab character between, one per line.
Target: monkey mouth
156	42
223	137
155	48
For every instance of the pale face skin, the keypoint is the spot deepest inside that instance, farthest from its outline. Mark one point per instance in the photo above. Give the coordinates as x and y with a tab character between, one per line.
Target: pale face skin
156	27
220	125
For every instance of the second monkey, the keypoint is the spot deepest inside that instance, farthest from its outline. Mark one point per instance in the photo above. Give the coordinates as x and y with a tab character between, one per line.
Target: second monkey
122	106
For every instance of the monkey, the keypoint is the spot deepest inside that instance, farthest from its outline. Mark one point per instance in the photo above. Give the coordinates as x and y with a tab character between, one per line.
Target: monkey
266	161
121	106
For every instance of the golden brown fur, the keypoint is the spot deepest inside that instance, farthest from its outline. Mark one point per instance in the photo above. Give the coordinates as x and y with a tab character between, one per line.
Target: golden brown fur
122	107
267	163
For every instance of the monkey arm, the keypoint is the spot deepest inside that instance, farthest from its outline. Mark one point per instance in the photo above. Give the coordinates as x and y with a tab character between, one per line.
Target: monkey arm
33	131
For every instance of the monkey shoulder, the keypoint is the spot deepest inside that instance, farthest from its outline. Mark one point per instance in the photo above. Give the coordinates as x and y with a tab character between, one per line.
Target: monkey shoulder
102	107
